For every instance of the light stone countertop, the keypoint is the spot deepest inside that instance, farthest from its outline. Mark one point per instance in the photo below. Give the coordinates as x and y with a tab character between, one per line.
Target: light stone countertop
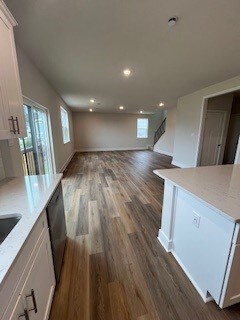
27	196
216	186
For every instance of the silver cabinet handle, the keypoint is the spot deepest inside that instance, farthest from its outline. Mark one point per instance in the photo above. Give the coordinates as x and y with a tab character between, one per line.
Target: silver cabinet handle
32	294
13	129
25	315
18	130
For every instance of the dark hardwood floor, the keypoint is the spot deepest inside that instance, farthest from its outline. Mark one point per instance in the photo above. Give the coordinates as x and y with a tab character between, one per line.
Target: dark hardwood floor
114	266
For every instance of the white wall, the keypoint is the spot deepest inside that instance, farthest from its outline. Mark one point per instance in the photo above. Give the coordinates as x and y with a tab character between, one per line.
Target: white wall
36	88
188	125
111	131
166	143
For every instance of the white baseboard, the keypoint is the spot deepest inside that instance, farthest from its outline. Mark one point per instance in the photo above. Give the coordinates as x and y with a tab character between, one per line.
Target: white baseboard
110	149
165	242
179	164
67	162
205	297
170	154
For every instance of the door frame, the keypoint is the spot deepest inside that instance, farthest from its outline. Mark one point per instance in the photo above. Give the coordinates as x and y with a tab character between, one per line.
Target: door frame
237	154
222	134
32	103
202	119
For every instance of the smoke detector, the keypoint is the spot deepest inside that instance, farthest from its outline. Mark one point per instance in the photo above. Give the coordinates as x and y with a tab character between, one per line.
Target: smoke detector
172	21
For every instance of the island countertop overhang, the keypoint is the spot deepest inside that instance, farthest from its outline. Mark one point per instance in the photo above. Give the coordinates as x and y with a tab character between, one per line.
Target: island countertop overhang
217	186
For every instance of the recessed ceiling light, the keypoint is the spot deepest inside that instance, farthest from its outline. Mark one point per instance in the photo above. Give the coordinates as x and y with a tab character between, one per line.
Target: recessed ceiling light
92	100
127	72
141	111
161	104
121	107
172	21
90	110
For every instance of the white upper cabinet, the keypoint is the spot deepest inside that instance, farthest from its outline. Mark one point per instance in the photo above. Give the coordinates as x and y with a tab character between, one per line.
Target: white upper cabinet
12	123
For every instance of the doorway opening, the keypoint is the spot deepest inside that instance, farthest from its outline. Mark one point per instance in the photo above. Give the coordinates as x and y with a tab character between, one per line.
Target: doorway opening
36	146
221	130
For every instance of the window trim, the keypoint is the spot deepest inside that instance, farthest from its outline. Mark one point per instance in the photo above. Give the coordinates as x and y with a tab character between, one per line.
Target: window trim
143	128
62	109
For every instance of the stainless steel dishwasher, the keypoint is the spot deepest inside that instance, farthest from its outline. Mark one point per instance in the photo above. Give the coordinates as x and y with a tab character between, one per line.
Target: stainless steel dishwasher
57	229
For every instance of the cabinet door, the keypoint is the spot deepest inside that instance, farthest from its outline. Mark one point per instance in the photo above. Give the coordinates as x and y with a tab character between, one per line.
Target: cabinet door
39	287
10	89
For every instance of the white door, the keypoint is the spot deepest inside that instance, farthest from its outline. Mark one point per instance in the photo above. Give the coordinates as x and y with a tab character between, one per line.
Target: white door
39	287
212	138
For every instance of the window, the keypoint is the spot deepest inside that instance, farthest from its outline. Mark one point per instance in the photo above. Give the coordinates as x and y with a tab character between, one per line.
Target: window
142	128
65	125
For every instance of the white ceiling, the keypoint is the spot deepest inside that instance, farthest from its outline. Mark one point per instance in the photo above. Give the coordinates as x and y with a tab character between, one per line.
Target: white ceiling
82	47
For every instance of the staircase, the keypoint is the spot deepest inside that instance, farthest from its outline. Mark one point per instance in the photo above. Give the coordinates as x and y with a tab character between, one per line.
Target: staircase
160	131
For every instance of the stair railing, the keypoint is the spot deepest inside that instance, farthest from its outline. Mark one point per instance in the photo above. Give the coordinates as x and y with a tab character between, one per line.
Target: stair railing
160	131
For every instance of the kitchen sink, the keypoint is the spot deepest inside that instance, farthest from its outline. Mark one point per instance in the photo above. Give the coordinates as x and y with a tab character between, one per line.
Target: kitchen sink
7	223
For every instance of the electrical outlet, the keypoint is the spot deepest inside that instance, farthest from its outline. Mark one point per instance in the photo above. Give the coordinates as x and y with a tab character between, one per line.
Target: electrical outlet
196	219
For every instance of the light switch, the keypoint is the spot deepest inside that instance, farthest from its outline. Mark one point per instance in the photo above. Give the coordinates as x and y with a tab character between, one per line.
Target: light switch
196	219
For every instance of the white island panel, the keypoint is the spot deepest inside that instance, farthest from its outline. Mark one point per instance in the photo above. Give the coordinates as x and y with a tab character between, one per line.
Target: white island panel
201	244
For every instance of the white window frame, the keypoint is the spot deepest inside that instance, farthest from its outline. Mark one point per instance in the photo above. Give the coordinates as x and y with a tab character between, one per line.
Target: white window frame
66	138
142	128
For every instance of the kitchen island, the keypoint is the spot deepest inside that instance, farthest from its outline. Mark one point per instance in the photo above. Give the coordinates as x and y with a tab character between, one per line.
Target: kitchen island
200	227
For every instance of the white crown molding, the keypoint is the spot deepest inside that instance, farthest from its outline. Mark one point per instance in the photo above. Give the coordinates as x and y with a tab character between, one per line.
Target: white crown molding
7	13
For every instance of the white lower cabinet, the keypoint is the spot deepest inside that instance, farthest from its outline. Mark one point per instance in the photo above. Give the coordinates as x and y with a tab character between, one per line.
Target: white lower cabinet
39	286
32	298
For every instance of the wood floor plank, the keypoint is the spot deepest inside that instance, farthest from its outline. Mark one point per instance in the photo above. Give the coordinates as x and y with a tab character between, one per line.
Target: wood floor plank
99	302
79	286
95	231
118	301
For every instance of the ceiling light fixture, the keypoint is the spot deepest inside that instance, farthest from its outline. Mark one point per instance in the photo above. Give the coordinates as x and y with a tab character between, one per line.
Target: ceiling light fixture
92	100
141	111
172	21
121	107
90	110
127	72
161	104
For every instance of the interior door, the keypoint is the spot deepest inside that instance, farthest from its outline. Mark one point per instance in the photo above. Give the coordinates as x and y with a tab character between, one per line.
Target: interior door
212	138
